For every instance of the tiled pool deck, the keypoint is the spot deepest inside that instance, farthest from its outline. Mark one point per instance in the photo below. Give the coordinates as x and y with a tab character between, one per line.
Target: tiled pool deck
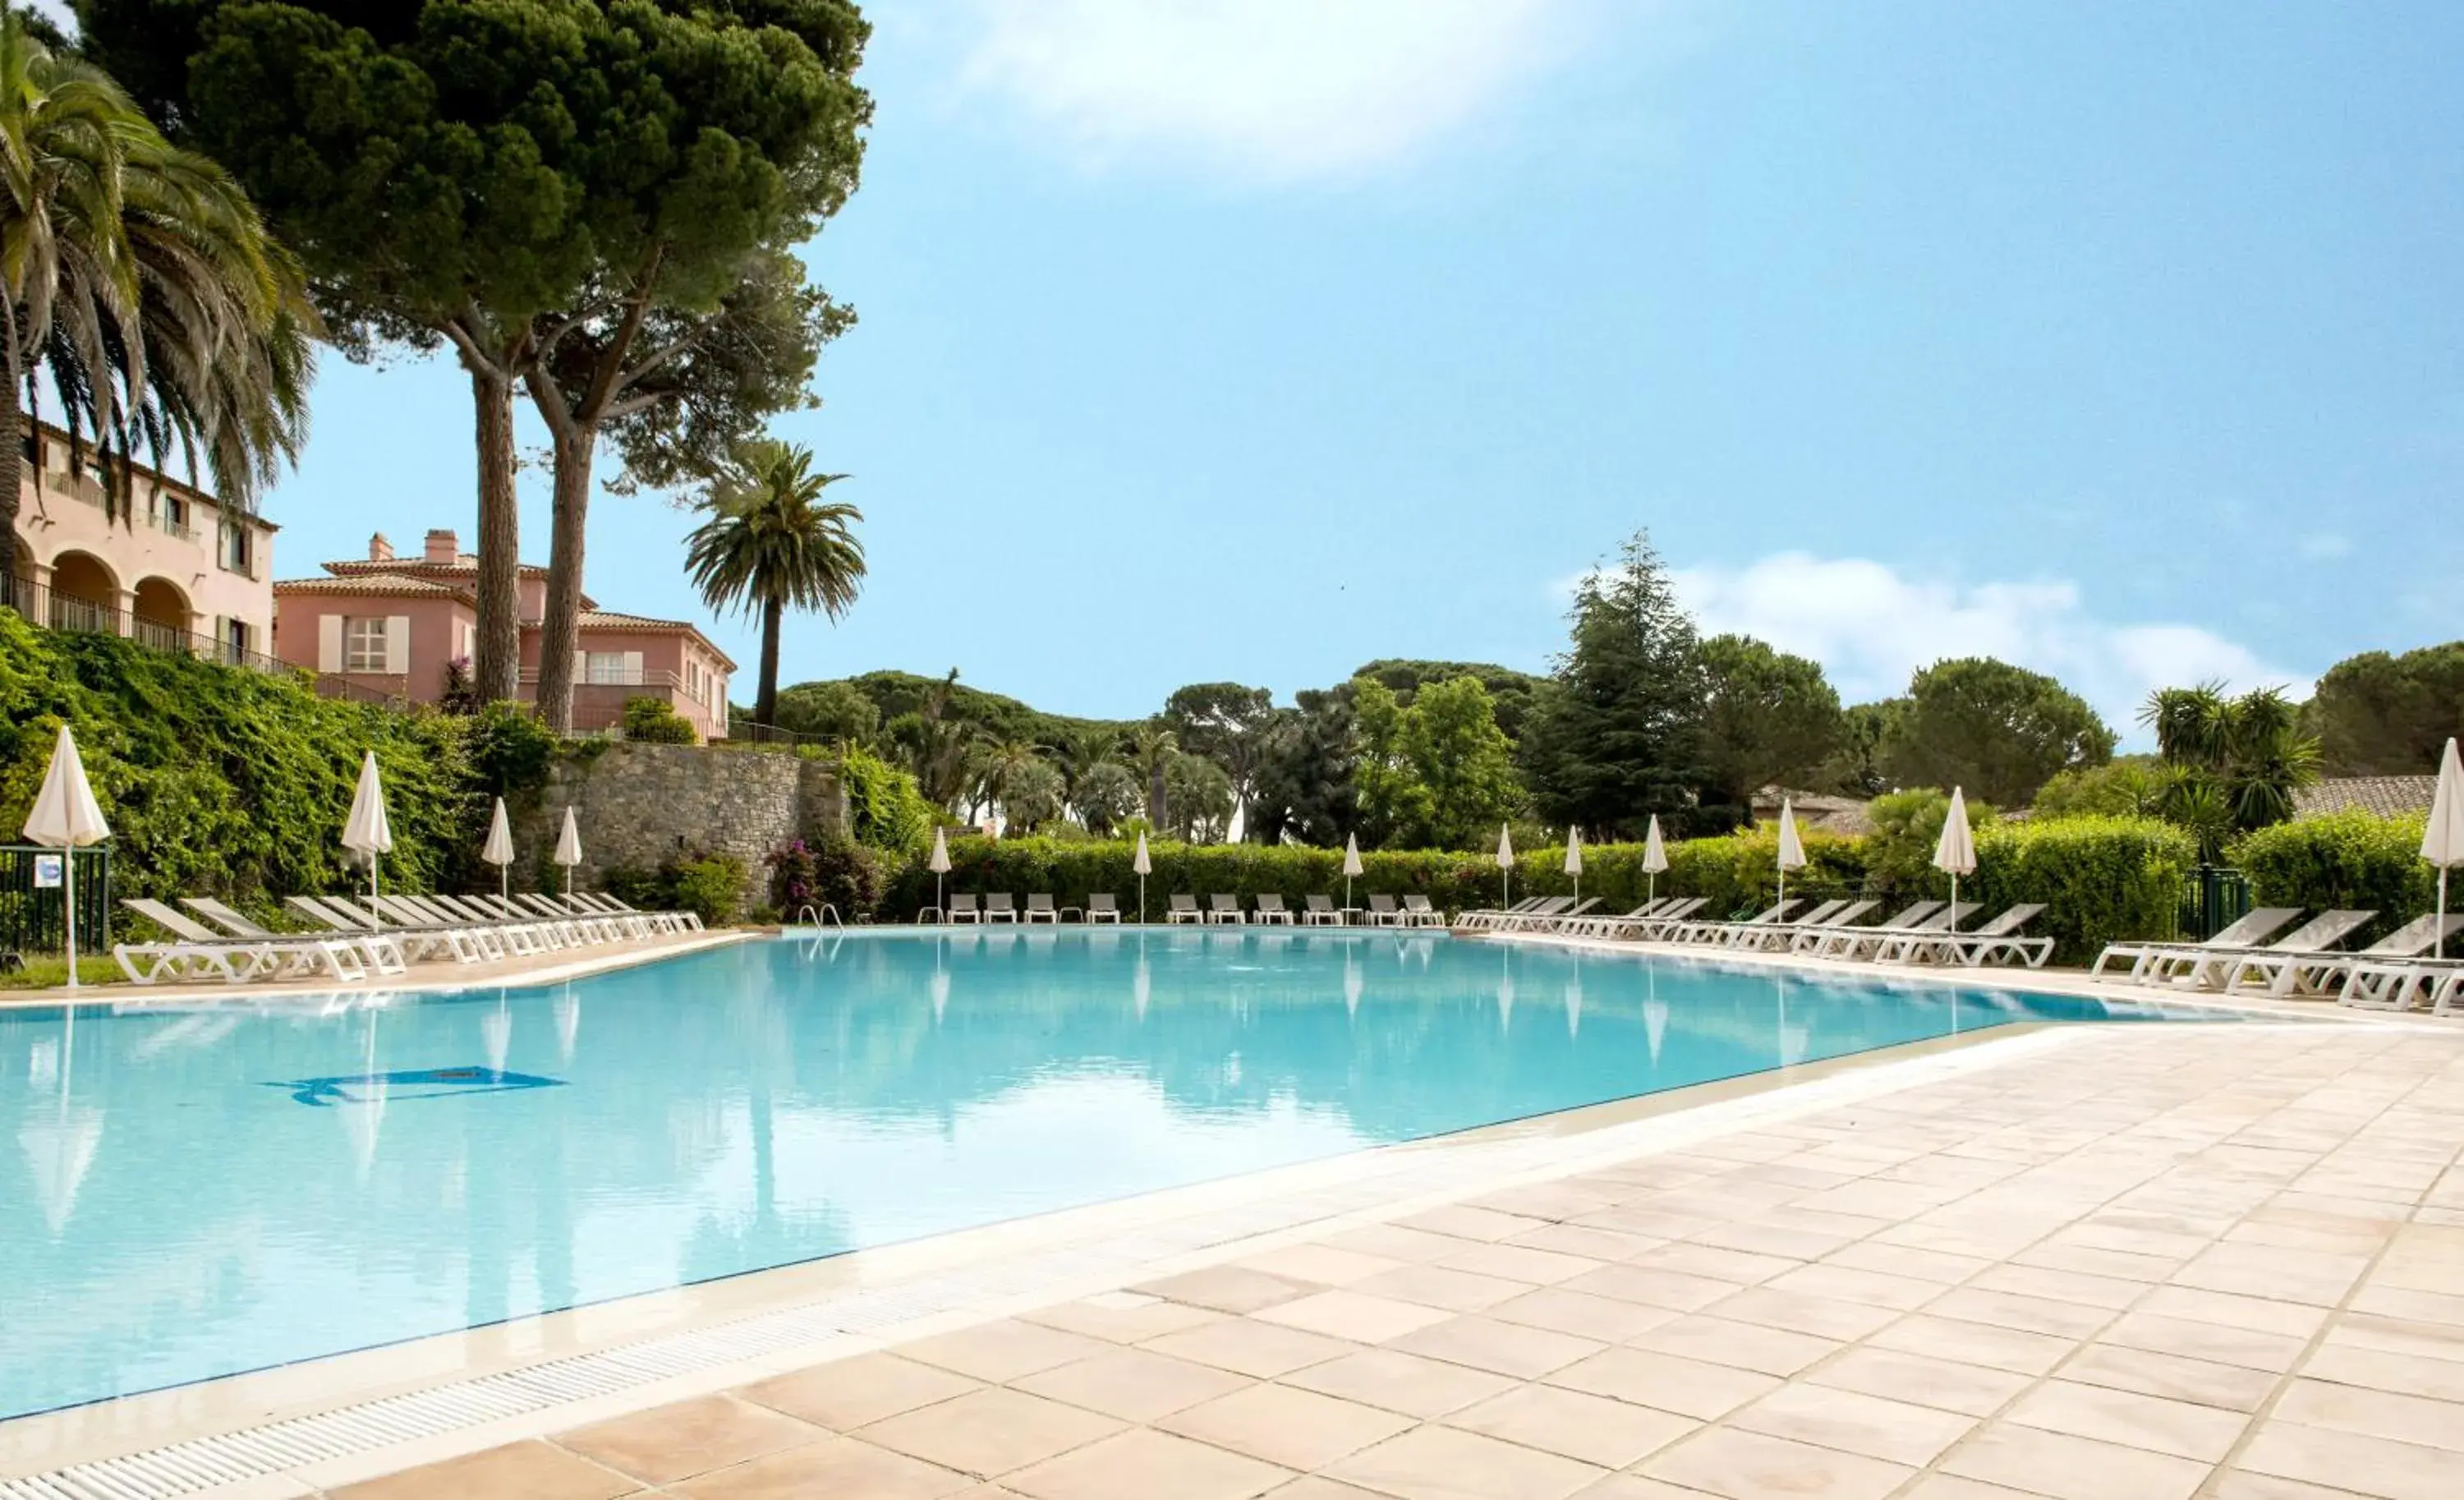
2141	1262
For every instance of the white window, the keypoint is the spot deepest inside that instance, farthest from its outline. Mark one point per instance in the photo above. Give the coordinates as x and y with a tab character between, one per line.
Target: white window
620	669
363	646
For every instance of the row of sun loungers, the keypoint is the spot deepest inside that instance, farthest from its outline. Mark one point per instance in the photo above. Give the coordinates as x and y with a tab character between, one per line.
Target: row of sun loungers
1221	909
1924	932
354	938
2249	957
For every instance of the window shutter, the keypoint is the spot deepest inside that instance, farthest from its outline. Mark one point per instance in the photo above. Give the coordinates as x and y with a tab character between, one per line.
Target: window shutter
398	645
329	643
581	665
633	667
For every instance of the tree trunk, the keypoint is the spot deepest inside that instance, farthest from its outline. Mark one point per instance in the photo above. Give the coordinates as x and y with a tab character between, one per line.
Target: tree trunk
495	670
766	705
13	461
1154	799
560	627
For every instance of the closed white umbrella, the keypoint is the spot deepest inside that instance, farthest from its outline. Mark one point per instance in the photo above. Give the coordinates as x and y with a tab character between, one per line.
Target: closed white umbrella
368	831
1144	866
2442	842
1504	866
1351	867
1955	851
499	849
1574	859
66	817
1655	859
568	849
1791	851
940	865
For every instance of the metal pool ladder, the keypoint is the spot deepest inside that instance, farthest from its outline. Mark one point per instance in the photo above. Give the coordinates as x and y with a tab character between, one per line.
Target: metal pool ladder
826	908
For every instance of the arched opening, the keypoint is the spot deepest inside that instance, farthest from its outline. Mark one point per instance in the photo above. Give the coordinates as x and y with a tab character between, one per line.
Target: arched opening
161	614
85	595
17	589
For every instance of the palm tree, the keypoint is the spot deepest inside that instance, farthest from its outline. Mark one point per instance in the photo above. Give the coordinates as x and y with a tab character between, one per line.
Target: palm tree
142	282
2233	764
771	543
1151	748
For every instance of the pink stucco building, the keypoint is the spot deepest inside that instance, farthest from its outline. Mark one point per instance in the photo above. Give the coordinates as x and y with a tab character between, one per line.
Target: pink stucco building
178	570
399	625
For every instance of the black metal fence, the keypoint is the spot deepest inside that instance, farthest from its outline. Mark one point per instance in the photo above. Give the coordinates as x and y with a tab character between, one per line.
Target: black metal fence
33	919
2214	898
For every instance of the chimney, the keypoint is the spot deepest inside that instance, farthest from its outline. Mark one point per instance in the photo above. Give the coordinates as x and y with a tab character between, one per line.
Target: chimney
379	550
442	547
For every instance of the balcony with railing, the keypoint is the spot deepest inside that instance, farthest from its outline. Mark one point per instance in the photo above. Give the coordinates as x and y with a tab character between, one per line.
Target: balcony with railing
599	700
69	612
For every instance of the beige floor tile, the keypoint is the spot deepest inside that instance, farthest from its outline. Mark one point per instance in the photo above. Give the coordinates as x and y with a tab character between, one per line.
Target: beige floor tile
1744	1268
2421	1306
1444	1463
1875	1427
2215	1342
1299	1429
2242	1485
2345	1460
1002	1350
2112	1293
833	1467
2072	1468
1676	1290
1133	1384
846	1394
1791	1241
2268	1272
1581	1314
1687	1387
1522	1263
1748	1466
516	1471
1596	1245
990	1432
1950	1487
1504	1348
1634	1486
1317	1487
1400	1382
1321	1263
2097	1259
1847	1284
1148	1466
2386	1370
2227	1386
2181	1428
2029	1314
1971	1390
1747	1346
1122	1317
2398	1336
1472	1223
1396	1243
2260	1314
2377	1414
1935	1266
675	1441
1803	1313
1596	1430
1228	1288
1358	1316
1249	1348
1435	1287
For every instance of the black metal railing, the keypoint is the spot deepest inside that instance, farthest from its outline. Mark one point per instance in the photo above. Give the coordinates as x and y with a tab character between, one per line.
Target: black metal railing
33	918
2214	898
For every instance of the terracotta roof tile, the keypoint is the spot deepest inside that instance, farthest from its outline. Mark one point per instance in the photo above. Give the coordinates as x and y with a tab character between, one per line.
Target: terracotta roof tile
379	586
2387	796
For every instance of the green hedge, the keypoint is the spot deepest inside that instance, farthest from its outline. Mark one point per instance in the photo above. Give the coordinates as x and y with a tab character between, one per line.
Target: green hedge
2101	879
2104	878
2347	859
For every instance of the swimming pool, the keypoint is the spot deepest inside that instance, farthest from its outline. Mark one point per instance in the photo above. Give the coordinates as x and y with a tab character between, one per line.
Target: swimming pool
202	1192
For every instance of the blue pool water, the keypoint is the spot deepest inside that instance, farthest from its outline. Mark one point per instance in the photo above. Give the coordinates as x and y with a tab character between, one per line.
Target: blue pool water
207	1191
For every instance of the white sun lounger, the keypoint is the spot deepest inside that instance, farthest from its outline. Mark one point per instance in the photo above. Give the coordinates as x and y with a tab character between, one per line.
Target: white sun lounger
1183	908
1814	939
1226	910
235	960
1483	918
1272	910
2198	970
1418	913
1319	912
1855	944
377	950
1777	937
1972	948
2239	937
1040	909
1103	907
2395	973
1721	932
1383	912
1660	925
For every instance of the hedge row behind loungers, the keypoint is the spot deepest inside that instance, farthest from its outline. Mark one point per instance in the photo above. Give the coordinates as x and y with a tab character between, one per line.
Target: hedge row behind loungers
2104	878
2351	860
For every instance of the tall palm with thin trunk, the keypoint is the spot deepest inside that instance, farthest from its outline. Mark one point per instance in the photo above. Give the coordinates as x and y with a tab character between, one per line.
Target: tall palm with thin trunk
142	282
772	543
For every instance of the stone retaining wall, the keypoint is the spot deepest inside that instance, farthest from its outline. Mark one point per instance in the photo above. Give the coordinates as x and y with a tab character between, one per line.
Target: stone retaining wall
640	805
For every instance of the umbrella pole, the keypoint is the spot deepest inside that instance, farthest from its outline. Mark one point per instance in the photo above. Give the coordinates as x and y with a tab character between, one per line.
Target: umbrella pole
68	906
2438	947
374	910
1954	900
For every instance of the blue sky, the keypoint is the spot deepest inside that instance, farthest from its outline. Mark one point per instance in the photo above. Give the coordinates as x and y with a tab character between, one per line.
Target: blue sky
1255	339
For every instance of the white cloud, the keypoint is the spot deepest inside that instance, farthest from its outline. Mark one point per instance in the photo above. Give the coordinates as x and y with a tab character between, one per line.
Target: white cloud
1871	626
1278	90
